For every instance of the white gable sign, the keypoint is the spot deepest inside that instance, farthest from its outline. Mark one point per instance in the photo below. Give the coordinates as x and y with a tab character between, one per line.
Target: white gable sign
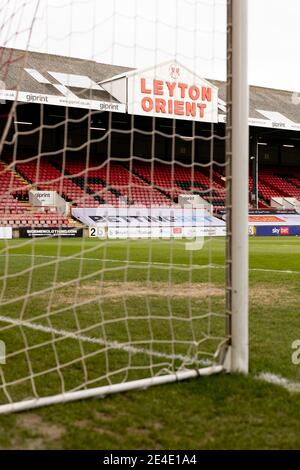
172	91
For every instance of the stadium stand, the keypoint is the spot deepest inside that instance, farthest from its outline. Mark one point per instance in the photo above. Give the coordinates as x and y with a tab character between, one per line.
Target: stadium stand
136	180
16	211
174	180
116	184
279	183
44	176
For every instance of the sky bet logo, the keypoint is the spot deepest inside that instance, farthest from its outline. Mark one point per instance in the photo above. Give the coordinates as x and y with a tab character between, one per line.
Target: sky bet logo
2	353
280	231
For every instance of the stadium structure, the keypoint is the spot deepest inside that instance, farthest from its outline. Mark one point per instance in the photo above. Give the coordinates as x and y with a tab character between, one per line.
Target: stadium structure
72	114
127	197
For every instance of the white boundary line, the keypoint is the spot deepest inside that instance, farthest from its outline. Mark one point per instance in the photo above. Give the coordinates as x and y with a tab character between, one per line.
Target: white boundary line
290	386
108	260
110	344
282	271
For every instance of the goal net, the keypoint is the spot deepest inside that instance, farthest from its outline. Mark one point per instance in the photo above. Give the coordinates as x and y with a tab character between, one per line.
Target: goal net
123	210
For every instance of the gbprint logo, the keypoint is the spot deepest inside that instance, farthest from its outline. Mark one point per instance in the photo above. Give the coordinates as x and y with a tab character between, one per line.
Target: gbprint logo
280	125
31	98
42	195
2	352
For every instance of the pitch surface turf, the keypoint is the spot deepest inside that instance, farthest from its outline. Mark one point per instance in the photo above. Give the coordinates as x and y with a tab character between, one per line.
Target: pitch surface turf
220	412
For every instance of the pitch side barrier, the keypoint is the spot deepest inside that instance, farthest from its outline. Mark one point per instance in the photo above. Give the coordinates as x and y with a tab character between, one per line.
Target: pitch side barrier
143	222
274	231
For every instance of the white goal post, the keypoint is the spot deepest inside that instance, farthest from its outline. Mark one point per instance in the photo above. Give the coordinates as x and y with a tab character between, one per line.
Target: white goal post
237	183
89	318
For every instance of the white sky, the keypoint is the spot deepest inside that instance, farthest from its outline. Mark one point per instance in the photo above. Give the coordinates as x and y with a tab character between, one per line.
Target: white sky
138	33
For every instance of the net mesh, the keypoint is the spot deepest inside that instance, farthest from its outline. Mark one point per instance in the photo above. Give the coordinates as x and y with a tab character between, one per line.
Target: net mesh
98	308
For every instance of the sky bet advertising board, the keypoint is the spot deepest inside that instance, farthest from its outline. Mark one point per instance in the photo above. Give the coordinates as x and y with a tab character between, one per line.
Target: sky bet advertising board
277	231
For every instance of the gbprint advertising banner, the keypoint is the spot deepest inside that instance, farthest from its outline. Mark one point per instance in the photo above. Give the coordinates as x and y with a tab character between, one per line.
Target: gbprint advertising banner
70	102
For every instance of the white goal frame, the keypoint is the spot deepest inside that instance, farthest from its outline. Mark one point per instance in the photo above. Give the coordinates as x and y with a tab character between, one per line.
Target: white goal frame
237	157
234	357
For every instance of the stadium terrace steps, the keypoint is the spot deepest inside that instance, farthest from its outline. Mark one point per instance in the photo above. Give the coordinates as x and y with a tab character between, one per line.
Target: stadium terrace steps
15	209
175	180
12	210
272	183
43	175
81	182
269	185
115	184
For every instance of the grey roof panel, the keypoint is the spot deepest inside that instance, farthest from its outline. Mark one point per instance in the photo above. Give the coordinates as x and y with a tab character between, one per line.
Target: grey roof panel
12	73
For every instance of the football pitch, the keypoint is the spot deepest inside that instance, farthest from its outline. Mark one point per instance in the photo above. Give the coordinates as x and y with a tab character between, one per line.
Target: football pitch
157	296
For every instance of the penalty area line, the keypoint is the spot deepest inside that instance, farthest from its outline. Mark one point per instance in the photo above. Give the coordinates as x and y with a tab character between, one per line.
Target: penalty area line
146	263
109	260
109	344
289	385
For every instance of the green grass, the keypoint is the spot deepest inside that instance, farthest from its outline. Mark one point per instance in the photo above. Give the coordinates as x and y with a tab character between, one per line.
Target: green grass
58	285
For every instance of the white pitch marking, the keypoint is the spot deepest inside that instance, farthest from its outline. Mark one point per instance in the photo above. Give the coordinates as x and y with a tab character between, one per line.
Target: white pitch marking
107	260
111	344
75	258
293	387
287	271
